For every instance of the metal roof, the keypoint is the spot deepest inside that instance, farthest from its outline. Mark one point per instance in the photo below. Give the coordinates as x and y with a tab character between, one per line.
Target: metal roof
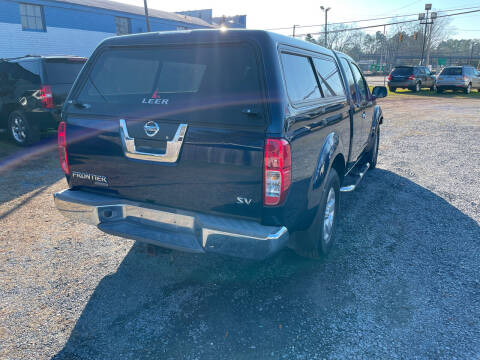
138	10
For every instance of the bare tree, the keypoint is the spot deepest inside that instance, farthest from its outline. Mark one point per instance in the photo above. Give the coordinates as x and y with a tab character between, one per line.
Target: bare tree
438	31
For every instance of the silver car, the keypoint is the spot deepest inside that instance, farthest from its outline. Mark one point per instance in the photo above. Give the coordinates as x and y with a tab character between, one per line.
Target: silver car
454	78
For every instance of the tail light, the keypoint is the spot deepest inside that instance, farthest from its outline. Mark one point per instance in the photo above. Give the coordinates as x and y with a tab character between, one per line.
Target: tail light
277	176
62	147
389	77
411	77
46	96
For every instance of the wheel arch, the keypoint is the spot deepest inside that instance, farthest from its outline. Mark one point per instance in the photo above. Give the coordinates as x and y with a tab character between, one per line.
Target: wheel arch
330	156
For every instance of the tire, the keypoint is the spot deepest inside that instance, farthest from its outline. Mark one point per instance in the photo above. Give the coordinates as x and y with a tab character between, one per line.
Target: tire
434	88
392	89
21	130
372	154
318	239
468	89
439	90
417	87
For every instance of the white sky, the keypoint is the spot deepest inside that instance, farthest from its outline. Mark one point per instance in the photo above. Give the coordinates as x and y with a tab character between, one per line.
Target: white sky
273	14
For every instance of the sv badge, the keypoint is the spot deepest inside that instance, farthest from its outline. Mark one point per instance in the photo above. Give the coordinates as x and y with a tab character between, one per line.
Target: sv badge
244	201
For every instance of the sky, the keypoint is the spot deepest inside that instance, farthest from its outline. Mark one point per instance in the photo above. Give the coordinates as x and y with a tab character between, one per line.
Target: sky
282	13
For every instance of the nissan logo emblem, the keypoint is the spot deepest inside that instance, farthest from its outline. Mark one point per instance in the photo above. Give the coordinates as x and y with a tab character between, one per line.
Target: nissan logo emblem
151	128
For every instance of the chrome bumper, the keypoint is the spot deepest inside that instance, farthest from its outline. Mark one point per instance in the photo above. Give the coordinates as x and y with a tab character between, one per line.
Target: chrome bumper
174	229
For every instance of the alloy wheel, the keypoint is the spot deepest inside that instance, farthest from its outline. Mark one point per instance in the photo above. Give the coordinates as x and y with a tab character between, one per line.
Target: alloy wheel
329	216
19	129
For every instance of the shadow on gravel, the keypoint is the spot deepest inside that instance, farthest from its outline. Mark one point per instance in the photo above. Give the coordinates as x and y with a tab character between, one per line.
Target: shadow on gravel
23	170
398	243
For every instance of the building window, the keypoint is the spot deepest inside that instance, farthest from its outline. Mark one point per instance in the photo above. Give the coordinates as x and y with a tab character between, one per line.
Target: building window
32	17
122	25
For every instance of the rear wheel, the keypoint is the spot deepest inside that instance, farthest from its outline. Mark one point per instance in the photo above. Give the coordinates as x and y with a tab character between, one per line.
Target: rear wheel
392	89
318	240
372	155
21	131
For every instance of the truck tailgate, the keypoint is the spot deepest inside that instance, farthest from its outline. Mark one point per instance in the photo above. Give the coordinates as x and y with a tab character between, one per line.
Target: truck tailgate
214	168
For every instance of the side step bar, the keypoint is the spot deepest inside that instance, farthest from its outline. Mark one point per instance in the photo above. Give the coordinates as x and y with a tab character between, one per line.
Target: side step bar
355	179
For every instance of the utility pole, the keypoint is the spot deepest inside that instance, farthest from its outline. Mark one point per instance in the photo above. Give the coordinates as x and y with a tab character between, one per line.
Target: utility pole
427	20
294	26
384	50
146	15
325	10
471	62
433	16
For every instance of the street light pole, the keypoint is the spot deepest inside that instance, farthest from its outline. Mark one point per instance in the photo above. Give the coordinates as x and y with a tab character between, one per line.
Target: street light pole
146	15
425	17
471	62
325	10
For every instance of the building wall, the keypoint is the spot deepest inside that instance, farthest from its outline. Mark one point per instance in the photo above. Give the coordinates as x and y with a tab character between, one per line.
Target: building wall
70	29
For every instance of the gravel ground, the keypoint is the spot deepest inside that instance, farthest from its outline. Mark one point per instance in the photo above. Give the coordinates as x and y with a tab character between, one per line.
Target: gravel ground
402	282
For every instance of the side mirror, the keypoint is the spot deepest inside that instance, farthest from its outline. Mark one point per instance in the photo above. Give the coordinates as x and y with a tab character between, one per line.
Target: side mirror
379	92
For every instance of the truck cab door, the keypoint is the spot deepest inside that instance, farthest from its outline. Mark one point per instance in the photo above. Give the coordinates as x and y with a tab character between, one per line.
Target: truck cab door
363	112
356	146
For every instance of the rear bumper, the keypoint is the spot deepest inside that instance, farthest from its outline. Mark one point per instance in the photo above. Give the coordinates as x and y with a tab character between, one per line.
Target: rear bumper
450	85
170	228
402	84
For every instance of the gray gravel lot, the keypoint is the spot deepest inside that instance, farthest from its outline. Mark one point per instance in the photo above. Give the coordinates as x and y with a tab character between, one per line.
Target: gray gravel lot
402	282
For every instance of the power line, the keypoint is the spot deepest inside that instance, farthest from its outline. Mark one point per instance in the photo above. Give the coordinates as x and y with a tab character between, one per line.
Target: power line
466	8
371	19
406	6
379	25
344	22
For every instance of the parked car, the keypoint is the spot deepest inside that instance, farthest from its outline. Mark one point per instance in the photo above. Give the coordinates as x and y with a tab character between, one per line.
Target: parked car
32	92
411	77
454	78
235	142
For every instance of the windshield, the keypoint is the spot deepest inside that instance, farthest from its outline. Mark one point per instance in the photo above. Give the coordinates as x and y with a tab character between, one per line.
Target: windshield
452	71
173	74
63	71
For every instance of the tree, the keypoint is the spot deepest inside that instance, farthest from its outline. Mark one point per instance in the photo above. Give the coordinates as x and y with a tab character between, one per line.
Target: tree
438	32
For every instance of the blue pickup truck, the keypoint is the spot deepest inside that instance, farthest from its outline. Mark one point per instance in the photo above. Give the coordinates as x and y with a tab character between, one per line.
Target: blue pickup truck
236	142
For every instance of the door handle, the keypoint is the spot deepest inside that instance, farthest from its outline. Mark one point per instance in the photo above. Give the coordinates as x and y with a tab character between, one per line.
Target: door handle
171	154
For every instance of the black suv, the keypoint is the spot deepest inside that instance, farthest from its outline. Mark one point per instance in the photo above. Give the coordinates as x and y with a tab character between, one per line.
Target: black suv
32	92
411	77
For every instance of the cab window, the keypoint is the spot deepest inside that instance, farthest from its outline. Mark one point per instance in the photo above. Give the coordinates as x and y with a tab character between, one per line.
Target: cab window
329	77
361	83
300	79
350	80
